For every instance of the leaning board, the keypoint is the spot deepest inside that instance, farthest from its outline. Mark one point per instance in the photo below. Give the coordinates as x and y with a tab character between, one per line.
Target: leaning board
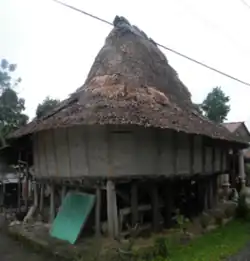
72	216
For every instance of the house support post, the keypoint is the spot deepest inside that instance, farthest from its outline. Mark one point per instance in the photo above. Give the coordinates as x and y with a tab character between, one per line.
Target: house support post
205	194
98	212
1	196
134	203
33	209
210	192
19	192
155	207
41	198
168	205
215	189
63	193
112	209
242	173
52	203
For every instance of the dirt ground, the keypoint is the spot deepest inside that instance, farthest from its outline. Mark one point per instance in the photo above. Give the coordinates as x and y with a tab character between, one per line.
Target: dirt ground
11	250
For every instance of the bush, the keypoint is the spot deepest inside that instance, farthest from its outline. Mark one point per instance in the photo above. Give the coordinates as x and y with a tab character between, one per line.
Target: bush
160	248
242	210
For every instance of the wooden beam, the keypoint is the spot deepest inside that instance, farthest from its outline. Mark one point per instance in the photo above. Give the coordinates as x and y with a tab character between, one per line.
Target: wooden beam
205	192
41	197
52	202
155	206
168	200
112	209
98	212
215	189
210	195
134	203
63	192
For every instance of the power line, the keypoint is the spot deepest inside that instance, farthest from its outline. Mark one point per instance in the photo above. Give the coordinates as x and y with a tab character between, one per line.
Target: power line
83	12
160	45
245	3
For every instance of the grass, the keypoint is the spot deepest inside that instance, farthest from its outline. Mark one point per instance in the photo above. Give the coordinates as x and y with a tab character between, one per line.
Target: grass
213	246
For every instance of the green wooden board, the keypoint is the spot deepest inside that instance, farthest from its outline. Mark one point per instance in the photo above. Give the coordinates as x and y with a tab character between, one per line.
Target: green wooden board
72	216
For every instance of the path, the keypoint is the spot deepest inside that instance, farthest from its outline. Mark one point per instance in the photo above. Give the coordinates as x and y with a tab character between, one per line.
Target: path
11	250
244	255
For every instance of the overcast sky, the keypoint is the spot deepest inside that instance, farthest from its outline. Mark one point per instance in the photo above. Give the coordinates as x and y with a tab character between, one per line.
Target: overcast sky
54	47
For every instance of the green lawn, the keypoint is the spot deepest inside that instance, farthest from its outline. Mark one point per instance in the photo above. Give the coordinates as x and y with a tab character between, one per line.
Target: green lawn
213	246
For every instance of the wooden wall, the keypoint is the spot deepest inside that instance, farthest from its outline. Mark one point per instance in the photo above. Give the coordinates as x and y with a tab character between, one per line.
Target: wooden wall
115	151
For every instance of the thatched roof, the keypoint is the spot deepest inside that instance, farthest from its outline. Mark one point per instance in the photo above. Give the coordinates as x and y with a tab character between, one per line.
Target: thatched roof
233	126
130	82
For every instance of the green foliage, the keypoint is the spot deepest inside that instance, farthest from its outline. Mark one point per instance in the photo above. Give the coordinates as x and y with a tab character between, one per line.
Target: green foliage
11	106
46	106
160	247
181	221
215	107
215	245
242	210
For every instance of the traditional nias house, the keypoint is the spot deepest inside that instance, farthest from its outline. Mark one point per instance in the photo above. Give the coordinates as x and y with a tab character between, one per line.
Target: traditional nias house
131	136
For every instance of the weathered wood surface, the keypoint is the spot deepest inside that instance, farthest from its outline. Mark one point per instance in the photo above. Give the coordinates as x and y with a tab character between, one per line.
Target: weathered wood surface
128	151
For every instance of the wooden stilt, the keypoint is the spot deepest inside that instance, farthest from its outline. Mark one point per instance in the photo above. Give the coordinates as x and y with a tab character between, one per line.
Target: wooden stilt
35	194
41	197
215	189
210	193
25	193
19	193
63	193
115	214
134	203
98	212
112	209
168	205
204	194
1	197
52	203
33	209
155	207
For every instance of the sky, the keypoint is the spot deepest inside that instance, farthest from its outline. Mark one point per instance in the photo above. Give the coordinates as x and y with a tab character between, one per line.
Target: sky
54	47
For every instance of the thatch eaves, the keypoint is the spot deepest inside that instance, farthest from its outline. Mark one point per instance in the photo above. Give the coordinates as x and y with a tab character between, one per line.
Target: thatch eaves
130	82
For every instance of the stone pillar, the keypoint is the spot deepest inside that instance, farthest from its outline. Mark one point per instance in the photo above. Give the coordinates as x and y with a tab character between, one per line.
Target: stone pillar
242	173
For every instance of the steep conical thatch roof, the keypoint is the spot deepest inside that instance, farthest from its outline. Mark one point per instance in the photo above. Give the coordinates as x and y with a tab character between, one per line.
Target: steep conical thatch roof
130	82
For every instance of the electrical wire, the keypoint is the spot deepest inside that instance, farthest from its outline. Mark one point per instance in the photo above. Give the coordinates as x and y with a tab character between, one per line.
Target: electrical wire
160	45
245	3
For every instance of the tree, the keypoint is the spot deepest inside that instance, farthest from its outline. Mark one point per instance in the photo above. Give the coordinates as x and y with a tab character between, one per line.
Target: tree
216	105
11	106
46	106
